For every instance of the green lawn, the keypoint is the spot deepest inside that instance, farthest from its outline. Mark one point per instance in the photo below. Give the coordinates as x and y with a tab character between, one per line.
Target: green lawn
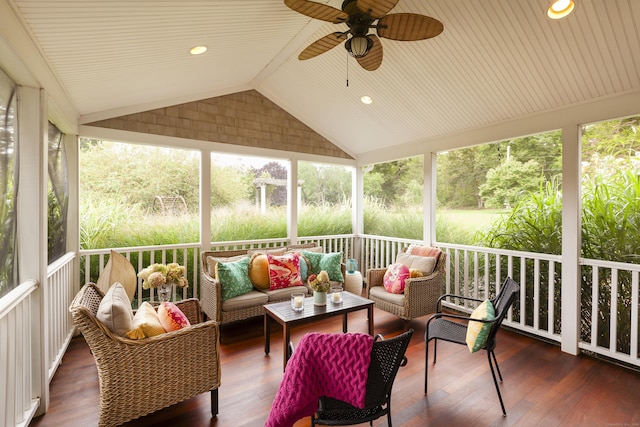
471	220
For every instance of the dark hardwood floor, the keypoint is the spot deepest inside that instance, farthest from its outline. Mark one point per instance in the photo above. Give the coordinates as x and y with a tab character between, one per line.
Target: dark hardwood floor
542	386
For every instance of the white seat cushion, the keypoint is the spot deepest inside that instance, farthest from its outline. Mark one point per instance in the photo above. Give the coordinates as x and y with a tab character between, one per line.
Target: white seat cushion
250	299
381	293
284	293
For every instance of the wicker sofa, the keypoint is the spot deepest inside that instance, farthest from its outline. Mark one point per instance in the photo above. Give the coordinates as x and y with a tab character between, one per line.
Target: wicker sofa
138	377
243	306
420	294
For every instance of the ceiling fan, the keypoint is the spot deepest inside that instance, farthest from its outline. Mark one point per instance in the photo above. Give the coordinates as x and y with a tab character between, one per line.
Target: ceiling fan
361	16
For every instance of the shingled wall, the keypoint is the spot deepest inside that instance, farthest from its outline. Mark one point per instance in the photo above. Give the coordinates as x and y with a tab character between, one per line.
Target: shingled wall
244	118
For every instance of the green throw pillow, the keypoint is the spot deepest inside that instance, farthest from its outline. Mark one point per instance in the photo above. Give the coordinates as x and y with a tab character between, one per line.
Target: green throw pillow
331	263
477	332
234	278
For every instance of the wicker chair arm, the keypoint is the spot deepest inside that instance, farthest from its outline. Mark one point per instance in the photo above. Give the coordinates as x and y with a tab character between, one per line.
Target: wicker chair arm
374	278
421	294
211	296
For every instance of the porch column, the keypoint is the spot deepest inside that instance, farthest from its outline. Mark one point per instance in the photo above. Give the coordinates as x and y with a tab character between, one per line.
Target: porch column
205	200
72	149
32	225
292	202
571	239
429	204
357	212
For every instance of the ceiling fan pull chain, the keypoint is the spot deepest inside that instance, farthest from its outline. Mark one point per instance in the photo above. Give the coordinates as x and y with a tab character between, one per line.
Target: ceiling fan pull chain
347	70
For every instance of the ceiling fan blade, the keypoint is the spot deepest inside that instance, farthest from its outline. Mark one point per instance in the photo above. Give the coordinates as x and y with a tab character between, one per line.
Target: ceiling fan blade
321	46
317	10
372	60
377	8
408	26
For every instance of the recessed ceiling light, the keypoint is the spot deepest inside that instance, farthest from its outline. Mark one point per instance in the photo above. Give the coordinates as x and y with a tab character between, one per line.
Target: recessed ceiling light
558	9
366	99
198	50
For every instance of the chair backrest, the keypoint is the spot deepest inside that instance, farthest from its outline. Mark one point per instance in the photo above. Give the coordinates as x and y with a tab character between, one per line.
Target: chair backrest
501	303
386	358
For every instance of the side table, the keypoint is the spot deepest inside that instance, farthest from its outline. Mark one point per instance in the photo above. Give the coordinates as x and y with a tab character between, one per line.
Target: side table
353	283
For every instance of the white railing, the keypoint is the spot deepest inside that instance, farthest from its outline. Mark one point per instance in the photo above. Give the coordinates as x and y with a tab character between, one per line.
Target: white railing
20	400
609	328
93	261
471	271
59	324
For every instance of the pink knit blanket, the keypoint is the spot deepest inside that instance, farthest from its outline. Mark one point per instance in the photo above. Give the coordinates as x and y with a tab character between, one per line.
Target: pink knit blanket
331	365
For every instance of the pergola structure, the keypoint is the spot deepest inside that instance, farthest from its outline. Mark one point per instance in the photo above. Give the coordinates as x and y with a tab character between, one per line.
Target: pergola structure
118	71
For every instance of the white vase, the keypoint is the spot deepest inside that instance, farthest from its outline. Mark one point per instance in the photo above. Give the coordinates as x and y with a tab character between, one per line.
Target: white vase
319	298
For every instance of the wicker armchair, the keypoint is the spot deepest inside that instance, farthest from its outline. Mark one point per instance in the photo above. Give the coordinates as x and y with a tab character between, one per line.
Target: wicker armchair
138	377
420	294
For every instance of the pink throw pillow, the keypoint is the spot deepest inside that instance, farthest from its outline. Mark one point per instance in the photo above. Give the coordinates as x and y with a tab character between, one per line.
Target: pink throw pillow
284	271
395	277
424	251
171	317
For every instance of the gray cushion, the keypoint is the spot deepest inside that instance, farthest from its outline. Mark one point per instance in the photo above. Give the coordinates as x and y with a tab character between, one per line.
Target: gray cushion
425	264
250	299
284	293
381	293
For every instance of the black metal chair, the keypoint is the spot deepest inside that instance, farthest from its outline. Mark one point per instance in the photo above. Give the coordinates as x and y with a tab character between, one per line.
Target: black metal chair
386	358
439	327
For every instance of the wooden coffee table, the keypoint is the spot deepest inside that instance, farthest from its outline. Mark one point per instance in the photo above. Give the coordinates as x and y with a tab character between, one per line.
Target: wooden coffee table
282	313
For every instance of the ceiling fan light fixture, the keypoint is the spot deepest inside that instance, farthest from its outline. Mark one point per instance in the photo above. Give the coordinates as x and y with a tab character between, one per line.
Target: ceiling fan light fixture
366	99
358	46
559	9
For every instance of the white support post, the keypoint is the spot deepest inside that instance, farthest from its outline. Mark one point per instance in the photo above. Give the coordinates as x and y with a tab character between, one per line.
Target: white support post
263	198
292	202
205	200
429	190
571	239
32	225
357	209
72	150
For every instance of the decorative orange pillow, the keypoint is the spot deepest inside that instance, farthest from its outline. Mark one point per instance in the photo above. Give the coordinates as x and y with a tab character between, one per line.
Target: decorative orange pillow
415	272
259	271
171	317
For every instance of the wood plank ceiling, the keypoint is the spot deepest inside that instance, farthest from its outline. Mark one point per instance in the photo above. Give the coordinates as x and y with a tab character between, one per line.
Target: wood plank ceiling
495	61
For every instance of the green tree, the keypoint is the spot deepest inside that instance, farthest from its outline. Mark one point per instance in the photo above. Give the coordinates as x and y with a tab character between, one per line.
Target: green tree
389	182
325	184
506	183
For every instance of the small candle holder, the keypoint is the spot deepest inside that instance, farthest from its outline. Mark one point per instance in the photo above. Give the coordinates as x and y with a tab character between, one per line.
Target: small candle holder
297	301
336	294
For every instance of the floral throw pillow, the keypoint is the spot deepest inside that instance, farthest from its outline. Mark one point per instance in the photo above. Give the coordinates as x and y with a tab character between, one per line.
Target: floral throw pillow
395	277
234	278
331	263
171	317
284	271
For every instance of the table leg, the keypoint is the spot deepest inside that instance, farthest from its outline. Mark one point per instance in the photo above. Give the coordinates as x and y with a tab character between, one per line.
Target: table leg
371	319
344	323
285	338
267	334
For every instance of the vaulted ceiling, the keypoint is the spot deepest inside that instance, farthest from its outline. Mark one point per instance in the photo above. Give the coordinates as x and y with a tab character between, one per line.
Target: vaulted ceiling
496	61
